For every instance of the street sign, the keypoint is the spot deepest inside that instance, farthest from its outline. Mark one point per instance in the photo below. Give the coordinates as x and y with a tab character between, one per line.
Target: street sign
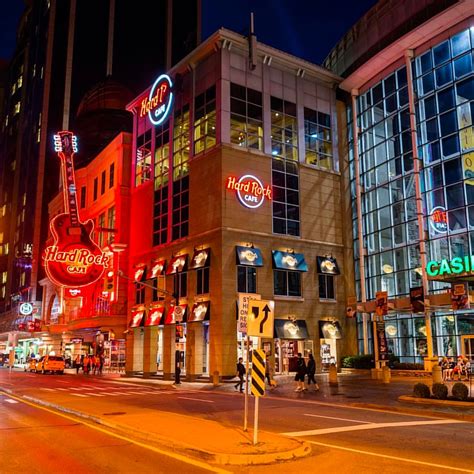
258	373
260	318
244	299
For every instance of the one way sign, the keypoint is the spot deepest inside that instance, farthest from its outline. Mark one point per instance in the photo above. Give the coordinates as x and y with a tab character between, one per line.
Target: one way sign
260	318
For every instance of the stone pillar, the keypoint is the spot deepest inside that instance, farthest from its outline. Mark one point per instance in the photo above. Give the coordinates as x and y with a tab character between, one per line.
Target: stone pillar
129	352
169	347
194	350
150	351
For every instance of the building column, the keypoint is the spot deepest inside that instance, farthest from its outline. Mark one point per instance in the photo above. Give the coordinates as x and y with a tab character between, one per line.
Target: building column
194	350
169	347
150	351
129	352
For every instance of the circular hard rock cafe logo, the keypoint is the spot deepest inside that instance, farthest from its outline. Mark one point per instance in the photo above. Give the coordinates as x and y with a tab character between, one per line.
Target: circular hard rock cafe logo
250	190
26	309
158	104
439	220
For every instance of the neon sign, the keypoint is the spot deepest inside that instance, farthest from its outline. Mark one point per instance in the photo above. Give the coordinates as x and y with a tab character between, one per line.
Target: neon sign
455	266
438	220
74	259
158	104
250	190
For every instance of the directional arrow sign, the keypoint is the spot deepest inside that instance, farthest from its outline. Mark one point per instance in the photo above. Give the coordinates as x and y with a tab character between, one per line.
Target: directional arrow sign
260	318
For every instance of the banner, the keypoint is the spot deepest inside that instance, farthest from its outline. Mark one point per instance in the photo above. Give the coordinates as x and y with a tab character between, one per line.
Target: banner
417	299
459	297
381	303
382	341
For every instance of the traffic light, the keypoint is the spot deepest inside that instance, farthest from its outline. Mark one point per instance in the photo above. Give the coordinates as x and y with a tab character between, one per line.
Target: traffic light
109	283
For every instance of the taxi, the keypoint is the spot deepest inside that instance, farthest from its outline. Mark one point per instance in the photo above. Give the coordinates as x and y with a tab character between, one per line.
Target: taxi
30	366
50	364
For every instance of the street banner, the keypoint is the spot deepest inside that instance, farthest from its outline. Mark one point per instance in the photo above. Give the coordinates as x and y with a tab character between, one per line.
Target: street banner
258	373
382	340
459	297
381	303
243	309
417	299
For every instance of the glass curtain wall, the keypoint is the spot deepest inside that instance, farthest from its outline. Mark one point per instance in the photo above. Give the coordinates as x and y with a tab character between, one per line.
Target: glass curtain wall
444	89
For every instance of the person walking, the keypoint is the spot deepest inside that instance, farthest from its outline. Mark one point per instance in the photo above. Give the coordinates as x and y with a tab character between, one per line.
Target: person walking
311	372
85	366
77	363
240	374
269	373
300	373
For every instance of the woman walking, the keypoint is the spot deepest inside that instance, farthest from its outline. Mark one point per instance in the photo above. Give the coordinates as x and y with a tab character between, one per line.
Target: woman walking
311	372
300	373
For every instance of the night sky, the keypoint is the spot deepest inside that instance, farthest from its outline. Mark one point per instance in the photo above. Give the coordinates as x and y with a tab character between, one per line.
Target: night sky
305	28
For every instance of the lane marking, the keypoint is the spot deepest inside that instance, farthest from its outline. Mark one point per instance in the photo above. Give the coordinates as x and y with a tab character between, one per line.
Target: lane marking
9	400
370	426
335	418
79	395
95	394
388	456
197	399
179	457
63	389
48	389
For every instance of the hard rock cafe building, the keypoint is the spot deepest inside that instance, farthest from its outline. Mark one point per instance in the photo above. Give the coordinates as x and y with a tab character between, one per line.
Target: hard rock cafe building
237	191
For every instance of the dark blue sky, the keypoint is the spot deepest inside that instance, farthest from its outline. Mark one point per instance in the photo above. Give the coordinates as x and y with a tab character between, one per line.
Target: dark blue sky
306	28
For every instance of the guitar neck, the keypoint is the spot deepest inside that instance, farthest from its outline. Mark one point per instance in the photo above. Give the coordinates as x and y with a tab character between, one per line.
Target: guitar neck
70	198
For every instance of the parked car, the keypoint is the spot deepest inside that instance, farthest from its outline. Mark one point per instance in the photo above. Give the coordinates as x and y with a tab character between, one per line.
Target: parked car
3	359
50	364
30	366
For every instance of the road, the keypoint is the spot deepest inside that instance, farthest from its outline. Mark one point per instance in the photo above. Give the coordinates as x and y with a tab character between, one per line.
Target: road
345	439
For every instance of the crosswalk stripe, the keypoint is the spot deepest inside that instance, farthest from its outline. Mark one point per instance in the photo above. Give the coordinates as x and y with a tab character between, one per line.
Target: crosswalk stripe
9	400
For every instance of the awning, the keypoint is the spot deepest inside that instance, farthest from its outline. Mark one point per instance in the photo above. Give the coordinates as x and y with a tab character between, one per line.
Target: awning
201	312
137	316
177	264
155	315
250	256
173	315
201	258
157	267
286	329
327	265
289	261
330	330
139	272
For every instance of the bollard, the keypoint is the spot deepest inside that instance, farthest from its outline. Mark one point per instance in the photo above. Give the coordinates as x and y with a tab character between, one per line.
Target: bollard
437	374
215	378
386	374
332	374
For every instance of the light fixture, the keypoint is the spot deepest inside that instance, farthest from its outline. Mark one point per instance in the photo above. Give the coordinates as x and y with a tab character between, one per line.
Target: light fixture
387	268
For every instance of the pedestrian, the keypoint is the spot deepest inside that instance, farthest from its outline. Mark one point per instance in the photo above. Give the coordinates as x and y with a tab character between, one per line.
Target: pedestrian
269	373
77	363
86	363
311	372
240	374
100	363
300	373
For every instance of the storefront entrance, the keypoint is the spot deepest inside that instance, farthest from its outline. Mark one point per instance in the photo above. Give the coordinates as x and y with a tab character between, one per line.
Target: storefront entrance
468	347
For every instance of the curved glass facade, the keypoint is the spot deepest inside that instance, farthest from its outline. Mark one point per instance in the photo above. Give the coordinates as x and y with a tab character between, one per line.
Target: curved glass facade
443	79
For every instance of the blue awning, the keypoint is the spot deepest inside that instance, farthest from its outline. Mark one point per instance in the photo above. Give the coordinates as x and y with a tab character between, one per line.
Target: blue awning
289	261
249	256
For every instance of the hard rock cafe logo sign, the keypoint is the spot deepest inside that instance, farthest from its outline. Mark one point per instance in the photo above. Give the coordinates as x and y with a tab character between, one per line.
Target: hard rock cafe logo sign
76	261
158	104
250	190
438	220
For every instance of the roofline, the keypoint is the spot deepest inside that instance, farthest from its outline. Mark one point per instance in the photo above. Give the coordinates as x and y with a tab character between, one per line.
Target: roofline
214	42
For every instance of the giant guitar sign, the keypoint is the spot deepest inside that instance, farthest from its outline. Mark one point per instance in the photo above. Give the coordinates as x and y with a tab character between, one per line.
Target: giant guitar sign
74	259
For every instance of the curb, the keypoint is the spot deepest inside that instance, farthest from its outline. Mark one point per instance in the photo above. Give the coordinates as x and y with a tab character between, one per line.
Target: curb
304	449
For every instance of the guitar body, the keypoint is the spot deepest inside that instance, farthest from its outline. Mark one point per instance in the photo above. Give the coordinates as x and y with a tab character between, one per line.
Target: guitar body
70	240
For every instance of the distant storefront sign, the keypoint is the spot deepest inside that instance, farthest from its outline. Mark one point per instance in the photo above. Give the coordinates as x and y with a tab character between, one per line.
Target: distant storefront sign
455	266
438	220
158	104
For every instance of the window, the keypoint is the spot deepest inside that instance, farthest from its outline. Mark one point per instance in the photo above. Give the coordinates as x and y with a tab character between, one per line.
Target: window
202	280
139	294
102	182
246	279
159	283
317	137
100	229
326	287
96	186
205	120
181	143
83	197
111	175
180	217
246	119
17	108
111	224
180	285
143	158
286	283
284	129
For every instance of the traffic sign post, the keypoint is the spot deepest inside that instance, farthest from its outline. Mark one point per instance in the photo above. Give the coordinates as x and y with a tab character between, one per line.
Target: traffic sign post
260	318
258	385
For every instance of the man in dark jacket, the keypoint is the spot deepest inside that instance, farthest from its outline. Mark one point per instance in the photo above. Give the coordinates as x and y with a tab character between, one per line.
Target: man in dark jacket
300	373
240	374
311	372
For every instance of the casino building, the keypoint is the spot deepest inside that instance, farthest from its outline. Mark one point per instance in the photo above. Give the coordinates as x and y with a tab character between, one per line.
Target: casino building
237	191
408	91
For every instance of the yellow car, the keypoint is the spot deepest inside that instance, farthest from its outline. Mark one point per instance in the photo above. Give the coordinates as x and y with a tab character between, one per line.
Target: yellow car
30	366
50	364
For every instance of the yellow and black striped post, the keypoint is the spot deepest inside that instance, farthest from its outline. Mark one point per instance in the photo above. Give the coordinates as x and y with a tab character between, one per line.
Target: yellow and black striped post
258	373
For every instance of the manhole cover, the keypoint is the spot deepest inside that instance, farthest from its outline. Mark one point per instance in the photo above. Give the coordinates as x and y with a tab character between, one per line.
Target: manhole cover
115	413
